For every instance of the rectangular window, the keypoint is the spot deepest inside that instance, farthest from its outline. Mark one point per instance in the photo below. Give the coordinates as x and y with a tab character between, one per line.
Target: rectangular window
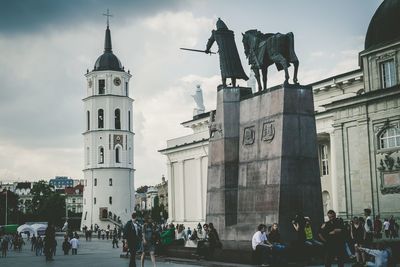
388	73
126	89
110	181
95	181
110	200
94	201
102	86
324	160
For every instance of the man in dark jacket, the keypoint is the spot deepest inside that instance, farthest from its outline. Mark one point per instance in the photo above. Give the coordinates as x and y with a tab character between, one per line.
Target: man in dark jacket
132	238
229	59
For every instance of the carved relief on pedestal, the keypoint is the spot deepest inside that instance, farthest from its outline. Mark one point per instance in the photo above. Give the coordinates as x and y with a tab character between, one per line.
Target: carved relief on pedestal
268	131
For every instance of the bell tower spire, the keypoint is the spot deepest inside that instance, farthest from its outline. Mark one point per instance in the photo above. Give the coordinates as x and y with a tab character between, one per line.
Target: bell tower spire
107	42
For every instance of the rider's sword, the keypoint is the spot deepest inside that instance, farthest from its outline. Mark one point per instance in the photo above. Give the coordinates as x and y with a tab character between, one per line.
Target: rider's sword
197	50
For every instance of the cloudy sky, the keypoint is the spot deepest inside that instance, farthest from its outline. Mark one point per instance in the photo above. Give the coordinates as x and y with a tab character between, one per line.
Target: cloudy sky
47	45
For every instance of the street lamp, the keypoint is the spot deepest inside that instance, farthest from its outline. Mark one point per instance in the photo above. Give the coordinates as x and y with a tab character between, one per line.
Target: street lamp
6	206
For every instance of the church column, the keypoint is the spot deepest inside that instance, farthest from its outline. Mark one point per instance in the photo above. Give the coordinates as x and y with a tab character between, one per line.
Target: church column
171	198
181	168
201	216
333	167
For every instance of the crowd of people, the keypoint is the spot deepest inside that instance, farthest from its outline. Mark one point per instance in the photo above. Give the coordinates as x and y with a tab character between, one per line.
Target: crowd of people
335	238
9	242
153	239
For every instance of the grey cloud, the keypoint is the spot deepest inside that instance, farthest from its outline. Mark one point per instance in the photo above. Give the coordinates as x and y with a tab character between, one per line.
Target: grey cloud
21	16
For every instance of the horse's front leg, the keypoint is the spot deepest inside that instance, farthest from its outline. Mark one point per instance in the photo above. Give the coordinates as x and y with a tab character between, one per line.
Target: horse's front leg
264	73
296	68
257	75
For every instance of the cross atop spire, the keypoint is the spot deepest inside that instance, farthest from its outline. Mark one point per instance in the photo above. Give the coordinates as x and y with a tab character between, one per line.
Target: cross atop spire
108	15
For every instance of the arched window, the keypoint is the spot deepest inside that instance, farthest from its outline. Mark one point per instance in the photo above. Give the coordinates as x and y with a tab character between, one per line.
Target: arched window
126	89
117	154
389	138
129	120
88	120
100	116
95	182
101	155
110	181
94	201
110	200
117	118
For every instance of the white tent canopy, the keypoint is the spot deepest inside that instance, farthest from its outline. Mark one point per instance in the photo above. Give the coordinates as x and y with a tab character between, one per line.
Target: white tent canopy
26	228
39	228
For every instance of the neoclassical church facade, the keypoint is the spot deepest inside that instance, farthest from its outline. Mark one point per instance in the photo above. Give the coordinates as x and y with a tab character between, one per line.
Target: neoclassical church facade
358	127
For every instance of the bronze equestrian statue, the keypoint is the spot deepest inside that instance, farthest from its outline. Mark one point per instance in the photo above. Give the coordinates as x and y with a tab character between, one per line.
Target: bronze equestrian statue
229	59
263	50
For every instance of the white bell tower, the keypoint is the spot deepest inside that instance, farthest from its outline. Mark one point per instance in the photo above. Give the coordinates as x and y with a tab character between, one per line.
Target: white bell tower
108	196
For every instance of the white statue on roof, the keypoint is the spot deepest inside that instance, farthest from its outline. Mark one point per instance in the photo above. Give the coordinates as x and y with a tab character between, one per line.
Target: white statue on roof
198	98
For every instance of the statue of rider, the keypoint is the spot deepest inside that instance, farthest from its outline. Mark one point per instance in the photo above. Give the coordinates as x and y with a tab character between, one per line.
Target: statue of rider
229	59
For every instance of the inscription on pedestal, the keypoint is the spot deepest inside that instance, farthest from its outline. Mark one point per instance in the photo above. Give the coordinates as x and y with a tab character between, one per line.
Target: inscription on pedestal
249	135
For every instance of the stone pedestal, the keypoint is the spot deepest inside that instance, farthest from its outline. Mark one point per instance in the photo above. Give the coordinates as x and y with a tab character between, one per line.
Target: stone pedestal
263	161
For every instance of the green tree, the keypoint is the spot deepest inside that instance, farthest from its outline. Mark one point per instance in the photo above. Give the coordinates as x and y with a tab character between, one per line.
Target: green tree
13	213
46	204
155	211
142	189
41	192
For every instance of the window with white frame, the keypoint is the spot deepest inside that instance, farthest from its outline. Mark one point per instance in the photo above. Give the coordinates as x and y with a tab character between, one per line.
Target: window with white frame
389	138
102	86
388	73
324	159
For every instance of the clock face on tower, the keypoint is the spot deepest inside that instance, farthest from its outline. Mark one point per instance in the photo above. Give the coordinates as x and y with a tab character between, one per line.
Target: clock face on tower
117	81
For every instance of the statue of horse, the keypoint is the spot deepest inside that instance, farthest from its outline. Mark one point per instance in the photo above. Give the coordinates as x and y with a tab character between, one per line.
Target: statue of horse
263	50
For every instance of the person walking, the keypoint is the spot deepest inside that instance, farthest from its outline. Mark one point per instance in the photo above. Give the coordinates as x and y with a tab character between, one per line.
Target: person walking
115	239
377	227
132	238
331	233
49	242
369	228
4	247
386	225
33	242
39	246
357	233
74	245
66	245
148	241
